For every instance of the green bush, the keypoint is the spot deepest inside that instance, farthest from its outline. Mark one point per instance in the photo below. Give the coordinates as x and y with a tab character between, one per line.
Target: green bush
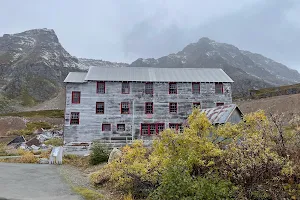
40	113
99	153
30	128
36	125
179	184
55	142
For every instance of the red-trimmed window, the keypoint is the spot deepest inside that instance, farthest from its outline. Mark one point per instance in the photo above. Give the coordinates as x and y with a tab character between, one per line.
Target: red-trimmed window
124	108
125	88
196	105
176	126
196	88
101	87
219	104
76	97
172	88
99	107
149	108
74	118
121	127
106	127
219	88
149	88
151	129
173	108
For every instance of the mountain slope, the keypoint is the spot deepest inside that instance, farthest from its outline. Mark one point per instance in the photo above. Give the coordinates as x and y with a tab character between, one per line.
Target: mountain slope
92	62
33	65
249	71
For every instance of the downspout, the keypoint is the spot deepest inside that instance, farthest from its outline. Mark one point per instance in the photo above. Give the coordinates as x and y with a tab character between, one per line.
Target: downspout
132	125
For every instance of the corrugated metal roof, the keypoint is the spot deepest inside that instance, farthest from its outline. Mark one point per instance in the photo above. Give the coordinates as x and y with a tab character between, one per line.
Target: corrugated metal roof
220	114
157	74
75	77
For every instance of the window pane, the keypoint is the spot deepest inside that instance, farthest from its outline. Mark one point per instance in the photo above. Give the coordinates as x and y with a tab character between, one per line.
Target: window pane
106	127
149	108
100	107
173	107
220	104
124	108
196	105
125	88
219	88
149	88
172	88
152	129
196	88
160	127
144	129
74	118
75	97
101	87
121	127
177	127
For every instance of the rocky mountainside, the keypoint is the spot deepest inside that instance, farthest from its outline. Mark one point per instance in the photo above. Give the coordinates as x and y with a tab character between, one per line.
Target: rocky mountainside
33	65
248	70
85	63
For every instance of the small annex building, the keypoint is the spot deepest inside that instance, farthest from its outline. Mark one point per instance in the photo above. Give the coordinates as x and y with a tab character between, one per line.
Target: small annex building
223	114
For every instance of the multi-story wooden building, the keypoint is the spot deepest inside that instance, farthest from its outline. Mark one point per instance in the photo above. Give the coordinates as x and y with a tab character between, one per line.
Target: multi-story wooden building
130	103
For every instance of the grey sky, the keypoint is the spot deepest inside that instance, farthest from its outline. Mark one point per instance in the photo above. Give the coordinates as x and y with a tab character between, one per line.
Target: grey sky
123	30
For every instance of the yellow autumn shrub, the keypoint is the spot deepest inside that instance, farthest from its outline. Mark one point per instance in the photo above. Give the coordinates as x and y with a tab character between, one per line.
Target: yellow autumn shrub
254	159
28	157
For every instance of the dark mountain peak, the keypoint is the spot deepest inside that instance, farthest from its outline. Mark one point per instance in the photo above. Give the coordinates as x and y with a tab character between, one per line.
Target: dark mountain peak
39	35
248	70
205	40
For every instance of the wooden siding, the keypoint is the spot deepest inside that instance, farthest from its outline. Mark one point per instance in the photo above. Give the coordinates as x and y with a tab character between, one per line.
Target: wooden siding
235	117
90	127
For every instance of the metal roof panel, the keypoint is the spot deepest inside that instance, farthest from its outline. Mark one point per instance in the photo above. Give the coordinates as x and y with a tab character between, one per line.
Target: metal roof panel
157	74
75	77
220	114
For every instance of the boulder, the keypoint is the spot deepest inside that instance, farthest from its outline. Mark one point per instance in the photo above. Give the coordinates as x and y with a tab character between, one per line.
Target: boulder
114	154
44	161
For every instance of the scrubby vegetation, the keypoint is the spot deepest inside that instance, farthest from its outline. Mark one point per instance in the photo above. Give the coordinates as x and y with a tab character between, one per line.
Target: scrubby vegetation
88	194
76	161
3	149
28	157
30	128
40	113
255	159
99	153
275	91
55	142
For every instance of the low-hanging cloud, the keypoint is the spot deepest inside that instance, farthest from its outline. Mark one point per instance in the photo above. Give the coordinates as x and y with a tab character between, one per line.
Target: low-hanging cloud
267	27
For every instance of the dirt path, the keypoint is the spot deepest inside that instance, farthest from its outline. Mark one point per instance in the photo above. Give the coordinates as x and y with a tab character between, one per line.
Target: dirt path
33	182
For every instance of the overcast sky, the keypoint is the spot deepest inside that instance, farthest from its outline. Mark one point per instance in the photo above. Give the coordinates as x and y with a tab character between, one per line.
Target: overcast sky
124	30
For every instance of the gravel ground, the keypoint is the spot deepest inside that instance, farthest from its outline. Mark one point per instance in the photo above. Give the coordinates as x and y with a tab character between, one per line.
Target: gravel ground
74	176
80	178
33	182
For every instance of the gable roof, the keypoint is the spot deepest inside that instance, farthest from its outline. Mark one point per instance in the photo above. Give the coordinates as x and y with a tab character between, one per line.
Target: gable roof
220	114
18	139
145	74
75	77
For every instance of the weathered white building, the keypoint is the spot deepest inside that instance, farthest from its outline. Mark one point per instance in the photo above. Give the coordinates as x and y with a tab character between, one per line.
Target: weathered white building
121	104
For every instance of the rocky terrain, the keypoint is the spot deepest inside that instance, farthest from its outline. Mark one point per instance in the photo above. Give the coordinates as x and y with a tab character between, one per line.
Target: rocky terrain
248	70
33	65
